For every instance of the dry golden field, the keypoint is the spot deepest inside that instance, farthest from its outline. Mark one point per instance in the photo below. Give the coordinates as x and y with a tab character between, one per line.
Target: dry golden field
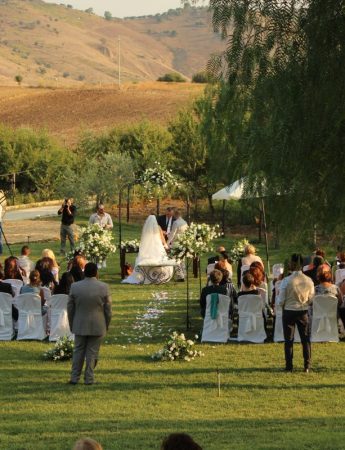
65	113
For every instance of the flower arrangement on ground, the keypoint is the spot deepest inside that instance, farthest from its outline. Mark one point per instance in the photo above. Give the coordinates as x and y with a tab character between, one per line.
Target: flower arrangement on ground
237	251
194	242
62	350
95	243
130	246
177	347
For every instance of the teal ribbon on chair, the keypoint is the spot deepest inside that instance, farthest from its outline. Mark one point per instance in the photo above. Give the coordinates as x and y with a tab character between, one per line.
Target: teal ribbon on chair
214	306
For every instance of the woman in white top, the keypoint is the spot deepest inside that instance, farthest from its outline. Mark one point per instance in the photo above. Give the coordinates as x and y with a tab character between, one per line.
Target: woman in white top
250	256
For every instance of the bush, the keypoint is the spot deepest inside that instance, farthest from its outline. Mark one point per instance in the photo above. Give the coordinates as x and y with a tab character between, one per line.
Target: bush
172	77
66	74
201	77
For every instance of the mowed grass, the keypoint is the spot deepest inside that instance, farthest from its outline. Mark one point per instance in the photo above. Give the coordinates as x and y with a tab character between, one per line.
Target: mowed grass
137	401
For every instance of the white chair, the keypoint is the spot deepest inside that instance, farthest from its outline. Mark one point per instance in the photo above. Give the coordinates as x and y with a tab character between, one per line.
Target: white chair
209	269
324	327
6	323
217	330
16	285
59	325
46	293
30	321
277	270
251	321
278	325
339	276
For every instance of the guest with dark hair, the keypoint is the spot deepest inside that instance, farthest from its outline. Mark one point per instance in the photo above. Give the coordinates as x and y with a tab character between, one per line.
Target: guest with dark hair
6	288
249	287
226	281
24	261
296	294
179	441
12	270
325	286
312	273
216	277
224	257
45	267
64	285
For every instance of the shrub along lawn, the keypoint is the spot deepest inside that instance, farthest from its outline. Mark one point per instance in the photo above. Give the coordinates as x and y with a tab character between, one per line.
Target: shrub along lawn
138	401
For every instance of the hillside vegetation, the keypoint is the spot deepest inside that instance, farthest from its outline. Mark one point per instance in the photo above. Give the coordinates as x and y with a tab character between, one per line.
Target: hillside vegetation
50	44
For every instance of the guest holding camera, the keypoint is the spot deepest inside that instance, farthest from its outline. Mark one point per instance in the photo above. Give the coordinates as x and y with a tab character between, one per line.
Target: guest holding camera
67	213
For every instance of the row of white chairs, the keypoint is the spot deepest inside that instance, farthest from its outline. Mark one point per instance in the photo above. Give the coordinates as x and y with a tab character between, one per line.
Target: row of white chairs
251	323
31	324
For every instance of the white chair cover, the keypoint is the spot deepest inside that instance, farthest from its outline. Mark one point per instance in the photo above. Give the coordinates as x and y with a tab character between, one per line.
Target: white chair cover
46	293
217	330
59	325
16	285
339	276
278	326
210	268
30	321
277	270
324	326
6	323
251	322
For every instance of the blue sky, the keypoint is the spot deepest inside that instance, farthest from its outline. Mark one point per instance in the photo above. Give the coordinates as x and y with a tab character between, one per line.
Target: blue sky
122	8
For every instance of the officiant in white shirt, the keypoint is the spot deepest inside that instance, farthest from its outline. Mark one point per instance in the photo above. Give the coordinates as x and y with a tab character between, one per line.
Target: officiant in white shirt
179	227
101	218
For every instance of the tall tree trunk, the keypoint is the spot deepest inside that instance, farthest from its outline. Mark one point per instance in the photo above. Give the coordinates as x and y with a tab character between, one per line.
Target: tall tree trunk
210	204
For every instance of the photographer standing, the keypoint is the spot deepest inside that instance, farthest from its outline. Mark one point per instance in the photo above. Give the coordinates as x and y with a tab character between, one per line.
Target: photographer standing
67	211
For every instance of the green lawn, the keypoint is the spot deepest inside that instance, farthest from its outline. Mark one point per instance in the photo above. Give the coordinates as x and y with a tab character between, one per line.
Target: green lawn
137	402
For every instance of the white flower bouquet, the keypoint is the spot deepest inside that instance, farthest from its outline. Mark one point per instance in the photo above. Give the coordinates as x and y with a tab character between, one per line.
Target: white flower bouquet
194	242
62	350
177	347
96	243
237	251
157	178
130	246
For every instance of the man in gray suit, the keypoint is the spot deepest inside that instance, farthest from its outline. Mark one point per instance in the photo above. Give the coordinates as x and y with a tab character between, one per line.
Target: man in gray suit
89	314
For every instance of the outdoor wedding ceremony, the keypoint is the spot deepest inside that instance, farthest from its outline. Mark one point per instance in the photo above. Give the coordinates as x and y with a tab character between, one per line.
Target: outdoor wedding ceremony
172	254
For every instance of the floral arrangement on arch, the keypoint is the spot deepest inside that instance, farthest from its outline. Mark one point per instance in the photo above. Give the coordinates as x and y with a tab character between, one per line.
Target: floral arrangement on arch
157	178
95	243
194	242
130	246
62	350
237	251
177	347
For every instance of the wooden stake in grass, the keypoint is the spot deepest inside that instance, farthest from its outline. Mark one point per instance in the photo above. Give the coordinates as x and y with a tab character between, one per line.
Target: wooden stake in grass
218	379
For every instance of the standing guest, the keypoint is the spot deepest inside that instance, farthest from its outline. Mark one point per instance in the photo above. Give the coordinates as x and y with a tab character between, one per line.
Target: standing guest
67	213
87	444
7	289
47	253
179	441
166	222
295	296
179	227
101	218
89	315
24	261
77	267
45	268
216	277
11	269
64	285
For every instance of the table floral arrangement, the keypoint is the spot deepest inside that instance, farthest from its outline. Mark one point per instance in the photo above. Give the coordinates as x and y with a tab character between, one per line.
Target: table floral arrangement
177	347
95	243
62	350
194	242
130	246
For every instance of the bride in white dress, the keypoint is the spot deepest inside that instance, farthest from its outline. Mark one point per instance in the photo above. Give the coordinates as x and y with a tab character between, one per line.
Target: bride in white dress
152	266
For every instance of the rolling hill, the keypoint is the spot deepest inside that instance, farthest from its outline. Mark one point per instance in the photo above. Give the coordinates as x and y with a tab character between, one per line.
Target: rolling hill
53	45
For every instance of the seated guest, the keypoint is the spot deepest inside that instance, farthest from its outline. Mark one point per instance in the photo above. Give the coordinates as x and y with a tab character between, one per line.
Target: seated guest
325	286
226	281
64	285
34	285
216	258
224	257
250	256
87	444
47	253
24	262
7	289
249	288
45	267
179	441
312	273
320	252
216	277
77	267
12	271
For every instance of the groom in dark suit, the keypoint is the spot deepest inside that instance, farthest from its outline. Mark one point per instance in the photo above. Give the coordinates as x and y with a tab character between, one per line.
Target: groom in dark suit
89	314
166	221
